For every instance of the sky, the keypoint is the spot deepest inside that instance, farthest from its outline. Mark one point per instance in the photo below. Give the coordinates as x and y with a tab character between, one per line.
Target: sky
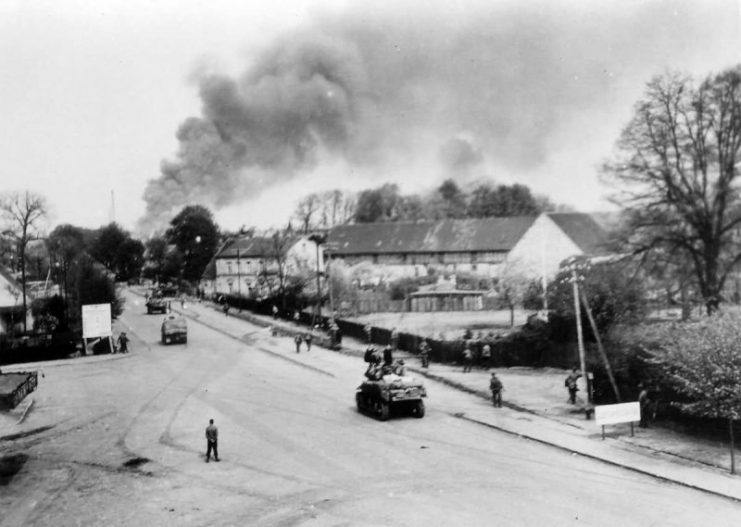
131	110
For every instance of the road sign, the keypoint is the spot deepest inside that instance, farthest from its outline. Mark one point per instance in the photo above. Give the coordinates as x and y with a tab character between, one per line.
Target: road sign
96	321
611	414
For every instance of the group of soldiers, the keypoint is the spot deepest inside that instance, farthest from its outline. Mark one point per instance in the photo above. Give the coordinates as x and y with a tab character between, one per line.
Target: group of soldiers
380	364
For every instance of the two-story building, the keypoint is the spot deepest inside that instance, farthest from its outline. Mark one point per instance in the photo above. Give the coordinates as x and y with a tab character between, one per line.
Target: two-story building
252	266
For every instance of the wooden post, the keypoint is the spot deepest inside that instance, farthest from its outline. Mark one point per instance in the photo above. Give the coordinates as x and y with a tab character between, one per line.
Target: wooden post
733	456
601	349
603	432
579	336
631	429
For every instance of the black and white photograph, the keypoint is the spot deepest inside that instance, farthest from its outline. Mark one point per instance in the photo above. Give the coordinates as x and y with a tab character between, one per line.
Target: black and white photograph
370	263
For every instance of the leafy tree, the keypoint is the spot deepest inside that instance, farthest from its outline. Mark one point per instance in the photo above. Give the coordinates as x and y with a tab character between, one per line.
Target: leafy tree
451	200
513	286
131	259
91	283
702	361
614	292
155	257
678	165
502	201
118	251
194	232
107	245
22	212
380	204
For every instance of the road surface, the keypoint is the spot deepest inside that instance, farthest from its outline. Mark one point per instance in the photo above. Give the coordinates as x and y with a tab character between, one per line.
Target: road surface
127	448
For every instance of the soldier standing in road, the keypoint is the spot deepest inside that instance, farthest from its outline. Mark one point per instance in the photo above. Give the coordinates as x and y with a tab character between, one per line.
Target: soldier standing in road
495	385
297	339
212	439
307	338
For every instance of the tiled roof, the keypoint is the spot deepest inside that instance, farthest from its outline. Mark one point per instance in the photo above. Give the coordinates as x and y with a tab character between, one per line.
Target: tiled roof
487	234
251	247
209	273
583	230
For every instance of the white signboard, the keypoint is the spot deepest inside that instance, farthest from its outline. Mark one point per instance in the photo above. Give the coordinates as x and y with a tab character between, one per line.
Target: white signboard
611	414
96	321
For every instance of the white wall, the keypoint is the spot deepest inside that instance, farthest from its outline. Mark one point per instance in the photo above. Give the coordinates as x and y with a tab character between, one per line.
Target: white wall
302	254
543	247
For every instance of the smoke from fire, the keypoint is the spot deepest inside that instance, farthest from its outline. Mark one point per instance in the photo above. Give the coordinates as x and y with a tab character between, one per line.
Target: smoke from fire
382	90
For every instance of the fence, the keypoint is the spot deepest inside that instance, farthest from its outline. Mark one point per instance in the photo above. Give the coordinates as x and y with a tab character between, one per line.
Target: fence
518	349
35	348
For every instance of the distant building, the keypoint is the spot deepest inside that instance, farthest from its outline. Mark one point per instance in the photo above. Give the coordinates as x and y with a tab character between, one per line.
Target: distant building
251	266
11	302
536	244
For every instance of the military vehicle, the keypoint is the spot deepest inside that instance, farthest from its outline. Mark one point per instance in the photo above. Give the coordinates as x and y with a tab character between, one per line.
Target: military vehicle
392	392
174	329
156	304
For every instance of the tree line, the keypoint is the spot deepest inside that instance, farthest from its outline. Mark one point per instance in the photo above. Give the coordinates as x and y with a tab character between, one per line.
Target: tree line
384	203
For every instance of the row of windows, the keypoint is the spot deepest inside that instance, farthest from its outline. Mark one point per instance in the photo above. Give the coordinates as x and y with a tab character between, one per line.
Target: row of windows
489	257
245	266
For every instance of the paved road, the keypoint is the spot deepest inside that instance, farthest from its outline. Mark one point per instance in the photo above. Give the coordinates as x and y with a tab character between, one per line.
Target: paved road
295	451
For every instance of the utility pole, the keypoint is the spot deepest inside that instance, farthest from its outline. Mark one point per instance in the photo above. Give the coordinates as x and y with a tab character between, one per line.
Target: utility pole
239	283
319	239
579	335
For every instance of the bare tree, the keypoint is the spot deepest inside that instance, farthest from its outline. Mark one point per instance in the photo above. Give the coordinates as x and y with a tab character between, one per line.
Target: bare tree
306	211
22	212
678	166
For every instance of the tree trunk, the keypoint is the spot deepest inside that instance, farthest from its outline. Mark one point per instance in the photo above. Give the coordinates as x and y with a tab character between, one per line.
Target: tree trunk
733	454
684	299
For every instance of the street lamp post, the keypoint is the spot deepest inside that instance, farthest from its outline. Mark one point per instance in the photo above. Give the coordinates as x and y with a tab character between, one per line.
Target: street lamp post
318	239
239	283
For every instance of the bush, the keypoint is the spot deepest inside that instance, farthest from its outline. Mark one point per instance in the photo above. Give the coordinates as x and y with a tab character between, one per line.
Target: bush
402	288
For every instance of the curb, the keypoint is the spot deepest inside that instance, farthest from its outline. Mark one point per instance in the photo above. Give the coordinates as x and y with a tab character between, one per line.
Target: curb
599	458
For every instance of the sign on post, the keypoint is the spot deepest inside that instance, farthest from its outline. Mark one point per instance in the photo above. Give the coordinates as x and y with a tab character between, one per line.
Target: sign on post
611	414
96	321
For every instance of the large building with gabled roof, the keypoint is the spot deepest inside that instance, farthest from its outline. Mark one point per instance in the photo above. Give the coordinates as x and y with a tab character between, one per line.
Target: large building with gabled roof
535	244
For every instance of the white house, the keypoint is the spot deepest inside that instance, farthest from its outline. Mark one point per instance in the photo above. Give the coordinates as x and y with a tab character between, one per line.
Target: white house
11	302
251	267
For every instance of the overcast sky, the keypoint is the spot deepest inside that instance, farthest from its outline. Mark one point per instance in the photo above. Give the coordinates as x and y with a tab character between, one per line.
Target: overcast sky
246	106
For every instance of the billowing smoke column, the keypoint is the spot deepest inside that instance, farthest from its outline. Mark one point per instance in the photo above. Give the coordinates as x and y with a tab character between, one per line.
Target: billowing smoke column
446	91
262	129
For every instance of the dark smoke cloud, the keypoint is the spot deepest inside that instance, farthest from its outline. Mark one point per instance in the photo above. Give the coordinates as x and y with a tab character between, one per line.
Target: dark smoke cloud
459	157
386	88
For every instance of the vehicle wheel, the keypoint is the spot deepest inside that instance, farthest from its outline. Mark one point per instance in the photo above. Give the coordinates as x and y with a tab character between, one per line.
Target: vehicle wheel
167	340
383	414
358	402
419	409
